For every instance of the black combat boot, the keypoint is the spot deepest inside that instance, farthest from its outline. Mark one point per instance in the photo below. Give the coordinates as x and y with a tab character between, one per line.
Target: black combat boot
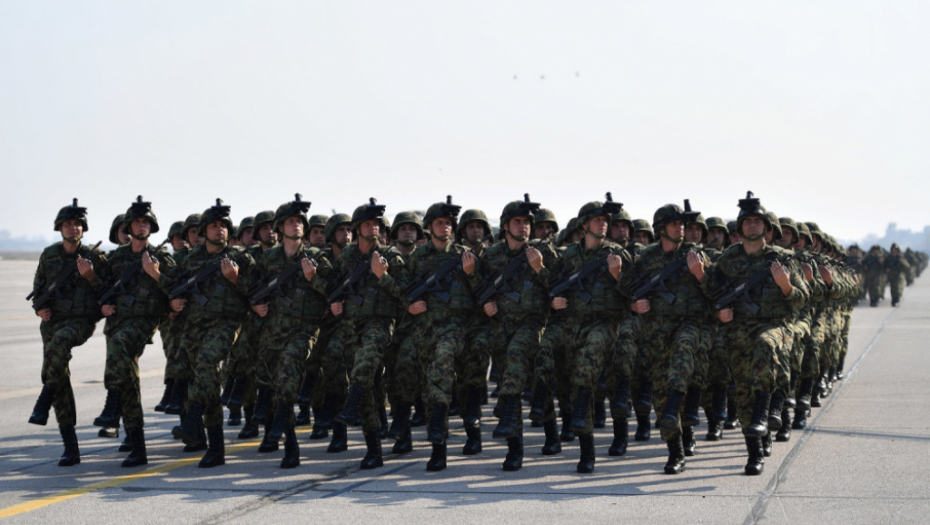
138	456
109	418
472	417
178	397
553	445
676	456
166	396
776	405
714	428
126	445
687	441
349	412
510	417
669	419
643	403
43	405
305	396
805	393
756	462
303	416
268	444
437	459
567	435
291	457
586	463
72	455
719	403
621	403
436	431
643	426
732	421
784	433
419	414
600	412
340	439
691	416
235	417
109	433
800	419
404	444
250	429
187	431
262	410
227	389
216	452
514	460
200	445
401	423
326	414
790	400
580	409
472	441
372	457
282	420
621	437
238	392
538	403
383	419
767	444
454	408
760	411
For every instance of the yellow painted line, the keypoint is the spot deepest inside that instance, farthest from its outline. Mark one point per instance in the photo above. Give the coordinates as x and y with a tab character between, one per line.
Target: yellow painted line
65	495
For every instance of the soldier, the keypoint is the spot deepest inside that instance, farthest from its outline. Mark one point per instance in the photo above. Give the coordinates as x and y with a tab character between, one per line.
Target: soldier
672	330
753	340
292	317
439	319
65	288
244	232
874	267
119	238
517	306
220	274
546	227
166	329
317	233
135	305
377	277
621	227
474	231
718	238
896	267
408	229
642	232
735	235
316	238
587	329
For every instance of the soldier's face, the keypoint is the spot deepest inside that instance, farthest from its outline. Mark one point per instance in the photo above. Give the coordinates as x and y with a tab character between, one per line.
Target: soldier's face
675	230
715	238
753	228
787	236
140	228
370	230
317	236
72	230
406	234
343	234
641	238
597	226
619	230
474	231
694	232
577	235
293	227
177	243
246	237
267	235
441	228
193	237
543	230
217	232
735	237
519	227
818	244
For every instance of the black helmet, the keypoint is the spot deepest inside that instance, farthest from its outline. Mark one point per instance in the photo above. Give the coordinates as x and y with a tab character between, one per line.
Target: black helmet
296	207
598	209
368	212
69	213
140	209
217	212
442	209
751	206
523	208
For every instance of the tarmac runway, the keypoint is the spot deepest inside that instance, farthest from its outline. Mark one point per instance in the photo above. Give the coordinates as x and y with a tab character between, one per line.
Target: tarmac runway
862	459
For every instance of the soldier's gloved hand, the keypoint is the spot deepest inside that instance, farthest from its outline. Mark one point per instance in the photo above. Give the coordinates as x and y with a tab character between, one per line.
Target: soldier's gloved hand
614	265
696	265
336	308
535	258
468	263
260	309
490	309
45	314
642	306
150	266
107	310
827	274
559	303
808	272
230	271
725	315
178	304
379	265
417	308
309	269
85	268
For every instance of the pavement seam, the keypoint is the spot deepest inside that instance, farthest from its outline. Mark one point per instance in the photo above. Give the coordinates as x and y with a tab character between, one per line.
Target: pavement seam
762	503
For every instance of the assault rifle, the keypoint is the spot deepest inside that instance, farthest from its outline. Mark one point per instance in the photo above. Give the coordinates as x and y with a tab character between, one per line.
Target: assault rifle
43	295
566	282
346	286
125	281
645	286
500	282
273	285
438	283
729	294
189	283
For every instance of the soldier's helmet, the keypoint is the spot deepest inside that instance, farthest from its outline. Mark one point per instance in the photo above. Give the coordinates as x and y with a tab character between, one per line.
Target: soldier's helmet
318	220
369	212
815	230
114	228
262	218
407	217
217	212
177	228
547	215
751	206
297	207
717	222
566	233
387	227
140	209
523	208
664	215
642	225
244	224
776	225
805	233
842	250
699	219
473	215
788	222
334	222
731	227
71	212
443	209
622	215
605	209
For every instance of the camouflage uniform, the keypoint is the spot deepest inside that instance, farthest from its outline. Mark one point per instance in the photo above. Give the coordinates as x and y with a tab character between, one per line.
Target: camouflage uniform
897	268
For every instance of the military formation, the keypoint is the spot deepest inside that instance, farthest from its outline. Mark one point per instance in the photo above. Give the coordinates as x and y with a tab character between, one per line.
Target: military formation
350	321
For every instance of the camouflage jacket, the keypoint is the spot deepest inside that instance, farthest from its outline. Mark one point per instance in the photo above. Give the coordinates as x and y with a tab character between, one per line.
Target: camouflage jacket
79	296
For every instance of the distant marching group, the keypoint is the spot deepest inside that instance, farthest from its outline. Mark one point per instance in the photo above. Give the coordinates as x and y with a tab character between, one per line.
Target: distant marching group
346	316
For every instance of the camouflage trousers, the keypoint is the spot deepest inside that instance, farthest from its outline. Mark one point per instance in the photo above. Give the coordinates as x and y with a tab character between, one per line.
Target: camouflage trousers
754	350
126	340
783	367
471	364
403	379
205	345
875	287
244	358
718	366
898	282
58	338
357	347
285	347
671	347
555	364
315	363
699	377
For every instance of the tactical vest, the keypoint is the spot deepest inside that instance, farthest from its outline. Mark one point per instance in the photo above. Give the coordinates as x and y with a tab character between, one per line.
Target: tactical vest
427	261
534	296
146	298
307	304
377	301
80	293
605	295
223	299
689	299
768	297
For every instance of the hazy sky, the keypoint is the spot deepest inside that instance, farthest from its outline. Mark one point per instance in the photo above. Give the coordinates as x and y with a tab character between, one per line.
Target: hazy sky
821	108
